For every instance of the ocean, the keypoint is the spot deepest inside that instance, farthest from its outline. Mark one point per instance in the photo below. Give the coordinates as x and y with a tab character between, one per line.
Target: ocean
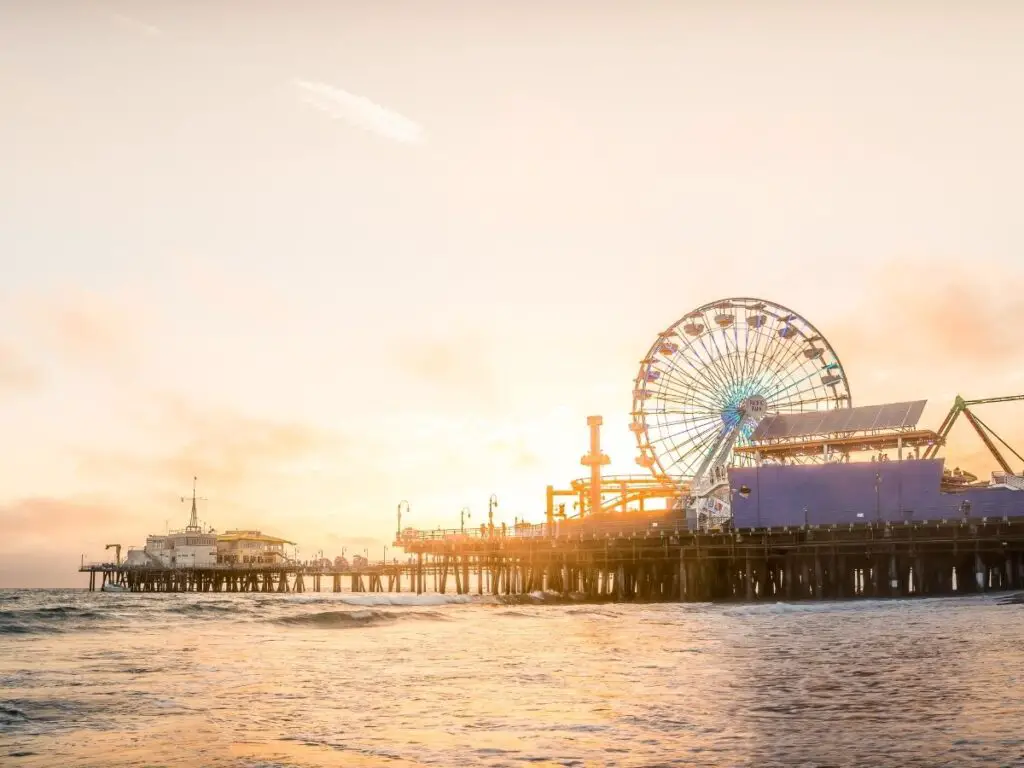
98	679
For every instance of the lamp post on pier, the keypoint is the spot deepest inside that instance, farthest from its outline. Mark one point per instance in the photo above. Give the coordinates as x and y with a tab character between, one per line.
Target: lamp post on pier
398	532
878	498
463	514
492	504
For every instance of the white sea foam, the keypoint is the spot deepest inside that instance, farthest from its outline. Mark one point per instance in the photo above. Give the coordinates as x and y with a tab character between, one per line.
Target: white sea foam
399	599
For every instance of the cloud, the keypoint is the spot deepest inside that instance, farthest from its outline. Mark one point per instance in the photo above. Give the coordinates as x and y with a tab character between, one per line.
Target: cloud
85	329
132	23
16	372
359	111
224	447
44	538
42	569
49	520
456	361
456	372
924	315
930	329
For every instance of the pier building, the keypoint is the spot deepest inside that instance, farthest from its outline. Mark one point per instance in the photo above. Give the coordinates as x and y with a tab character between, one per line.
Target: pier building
250	547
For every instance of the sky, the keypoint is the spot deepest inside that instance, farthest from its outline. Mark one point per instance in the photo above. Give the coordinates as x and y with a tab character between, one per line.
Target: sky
329	256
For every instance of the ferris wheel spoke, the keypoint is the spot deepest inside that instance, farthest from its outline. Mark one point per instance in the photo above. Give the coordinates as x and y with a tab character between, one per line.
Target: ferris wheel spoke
698	394
672	430
681	380
698	448
726	355
686	422
680	412
795	353
799	404
795	383
784	367
761	356
692	432
697	374
681	389
720	376
703	365
737	356
692	402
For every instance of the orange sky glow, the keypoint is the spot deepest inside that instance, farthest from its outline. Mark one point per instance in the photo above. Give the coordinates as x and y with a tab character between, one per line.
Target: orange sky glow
331	256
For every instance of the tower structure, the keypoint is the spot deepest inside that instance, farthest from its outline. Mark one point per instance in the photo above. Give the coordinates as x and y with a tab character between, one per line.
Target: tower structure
193	523
595	460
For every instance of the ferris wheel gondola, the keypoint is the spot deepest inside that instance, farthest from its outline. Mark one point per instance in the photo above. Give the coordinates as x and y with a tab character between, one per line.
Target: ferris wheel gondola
707	381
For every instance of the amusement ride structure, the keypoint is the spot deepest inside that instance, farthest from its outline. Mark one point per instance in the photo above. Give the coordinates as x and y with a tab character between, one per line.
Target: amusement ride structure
745	382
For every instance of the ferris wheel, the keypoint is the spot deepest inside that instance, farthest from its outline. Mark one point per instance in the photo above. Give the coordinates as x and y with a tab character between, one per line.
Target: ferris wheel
705	375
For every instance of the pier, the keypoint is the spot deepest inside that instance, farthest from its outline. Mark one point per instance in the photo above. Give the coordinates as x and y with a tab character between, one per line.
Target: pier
764	483
635	560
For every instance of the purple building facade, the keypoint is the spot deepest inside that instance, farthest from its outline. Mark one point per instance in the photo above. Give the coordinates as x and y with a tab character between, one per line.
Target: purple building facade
860	492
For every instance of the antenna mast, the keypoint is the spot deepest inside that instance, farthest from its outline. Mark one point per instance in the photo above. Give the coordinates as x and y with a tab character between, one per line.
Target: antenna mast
193	523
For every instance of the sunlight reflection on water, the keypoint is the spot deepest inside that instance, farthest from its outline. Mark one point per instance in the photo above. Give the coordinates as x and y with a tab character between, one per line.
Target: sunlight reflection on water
132	680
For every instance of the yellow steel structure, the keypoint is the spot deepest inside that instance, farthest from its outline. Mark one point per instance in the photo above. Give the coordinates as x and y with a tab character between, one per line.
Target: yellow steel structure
623	492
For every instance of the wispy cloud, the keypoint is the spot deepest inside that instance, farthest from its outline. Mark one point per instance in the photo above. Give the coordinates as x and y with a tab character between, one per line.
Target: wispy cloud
359	111
85	329
228	449
16	372
951	317
138	26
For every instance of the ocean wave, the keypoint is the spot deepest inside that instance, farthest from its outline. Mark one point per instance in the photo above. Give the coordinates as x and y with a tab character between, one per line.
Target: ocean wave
399	599
202	607
345	619
53	619
544	598
10	714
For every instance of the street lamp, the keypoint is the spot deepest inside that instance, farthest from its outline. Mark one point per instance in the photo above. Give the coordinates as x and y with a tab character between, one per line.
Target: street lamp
463	514
878	497
403	501
492	504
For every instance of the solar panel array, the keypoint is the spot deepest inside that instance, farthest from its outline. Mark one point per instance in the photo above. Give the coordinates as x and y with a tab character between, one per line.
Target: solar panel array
781	426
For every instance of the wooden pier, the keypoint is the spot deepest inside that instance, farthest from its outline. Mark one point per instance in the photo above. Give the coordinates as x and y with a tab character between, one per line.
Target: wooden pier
242	578
643	561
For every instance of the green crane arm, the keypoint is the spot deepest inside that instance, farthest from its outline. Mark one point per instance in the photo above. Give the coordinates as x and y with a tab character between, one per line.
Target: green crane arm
963	406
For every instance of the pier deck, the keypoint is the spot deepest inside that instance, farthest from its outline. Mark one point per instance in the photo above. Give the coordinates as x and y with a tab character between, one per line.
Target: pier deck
638	561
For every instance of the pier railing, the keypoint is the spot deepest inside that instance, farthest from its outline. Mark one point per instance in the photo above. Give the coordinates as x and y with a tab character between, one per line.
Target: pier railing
518	531
289	566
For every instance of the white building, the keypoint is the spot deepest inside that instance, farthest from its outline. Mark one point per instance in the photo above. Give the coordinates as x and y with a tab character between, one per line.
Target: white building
190	548
182	549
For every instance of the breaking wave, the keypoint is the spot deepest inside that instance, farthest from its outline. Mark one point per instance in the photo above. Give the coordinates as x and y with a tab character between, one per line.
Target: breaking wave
350	619
55	619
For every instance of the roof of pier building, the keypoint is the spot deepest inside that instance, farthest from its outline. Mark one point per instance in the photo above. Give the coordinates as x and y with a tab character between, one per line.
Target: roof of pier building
864	418
867	427
230	536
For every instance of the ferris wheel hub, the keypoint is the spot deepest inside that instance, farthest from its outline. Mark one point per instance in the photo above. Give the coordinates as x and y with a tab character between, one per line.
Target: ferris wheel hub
754	407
